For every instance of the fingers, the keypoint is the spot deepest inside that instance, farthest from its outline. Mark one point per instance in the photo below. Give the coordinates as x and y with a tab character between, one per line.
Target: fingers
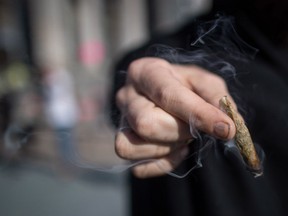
129	145
159	101
171	89
206	84
161	158
151	122
161	166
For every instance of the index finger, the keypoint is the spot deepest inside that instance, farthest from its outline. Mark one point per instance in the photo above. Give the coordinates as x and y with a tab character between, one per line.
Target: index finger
165	87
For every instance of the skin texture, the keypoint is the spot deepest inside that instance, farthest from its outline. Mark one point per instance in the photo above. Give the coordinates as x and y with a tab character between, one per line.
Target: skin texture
157	103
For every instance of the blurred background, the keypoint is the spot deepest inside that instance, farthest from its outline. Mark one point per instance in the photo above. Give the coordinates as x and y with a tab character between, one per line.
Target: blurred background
56	63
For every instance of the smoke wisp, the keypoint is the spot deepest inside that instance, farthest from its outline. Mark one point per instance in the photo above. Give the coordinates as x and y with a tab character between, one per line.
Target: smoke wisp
216	43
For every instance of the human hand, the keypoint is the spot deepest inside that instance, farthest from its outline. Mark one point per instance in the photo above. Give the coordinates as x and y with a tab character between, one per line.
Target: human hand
157	102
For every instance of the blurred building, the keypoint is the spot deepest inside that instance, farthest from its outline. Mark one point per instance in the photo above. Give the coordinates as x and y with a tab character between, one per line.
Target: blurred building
86	36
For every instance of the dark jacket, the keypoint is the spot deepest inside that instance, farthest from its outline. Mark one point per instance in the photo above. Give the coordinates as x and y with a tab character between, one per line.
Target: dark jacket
222	186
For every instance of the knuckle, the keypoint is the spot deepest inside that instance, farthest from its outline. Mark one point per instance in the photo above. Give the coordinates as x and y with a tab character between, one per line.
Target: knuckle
144	126
215	79
132	107
133	68
166	166
162	150
120	97
219	80
155	65
165	96
148	170
157	62
142	171
147	65
122	147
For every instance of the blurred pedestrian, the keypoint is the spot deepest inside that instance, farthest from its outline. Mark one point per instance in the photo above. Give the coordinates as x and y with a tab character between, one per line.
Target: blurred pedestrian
61	108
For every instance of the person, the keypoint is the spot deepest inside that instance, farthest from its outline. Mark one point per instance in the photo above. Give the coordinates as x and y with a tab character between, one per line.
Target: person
157	96
61	108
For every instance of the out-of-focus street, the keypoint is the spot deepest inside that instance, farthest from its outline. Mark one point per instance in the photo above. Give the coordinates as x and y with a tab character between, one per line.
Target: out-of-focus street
38	182
31	191
57	62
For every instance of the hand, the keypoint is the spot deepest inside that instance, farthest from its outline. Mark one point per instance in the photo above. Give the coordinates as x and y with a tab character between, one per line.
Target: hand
157	102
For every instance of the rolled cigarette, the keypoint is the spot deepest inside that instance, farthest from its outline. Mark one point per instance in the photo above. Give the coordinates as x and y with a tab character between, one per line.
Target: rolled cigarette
243	138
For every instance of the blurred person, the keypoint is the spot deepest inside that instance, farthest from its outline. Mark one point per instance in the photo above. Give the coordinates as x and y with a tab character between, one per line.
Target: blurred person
61	108
158	94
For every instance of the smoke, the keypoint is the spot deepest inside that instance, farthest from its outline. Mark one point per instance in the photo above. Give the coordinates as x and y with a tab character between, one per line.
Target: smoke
216	45
201	144
231	151
15	139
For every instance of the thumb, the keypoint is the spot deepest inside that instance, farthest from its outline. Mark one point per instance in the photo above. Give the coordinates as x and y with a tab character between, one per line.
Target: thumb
206	114
212	121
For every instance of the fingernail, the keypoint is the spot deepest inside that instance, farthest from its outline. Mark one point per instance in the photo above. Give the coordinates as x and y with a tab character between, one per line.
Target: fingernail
221	130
